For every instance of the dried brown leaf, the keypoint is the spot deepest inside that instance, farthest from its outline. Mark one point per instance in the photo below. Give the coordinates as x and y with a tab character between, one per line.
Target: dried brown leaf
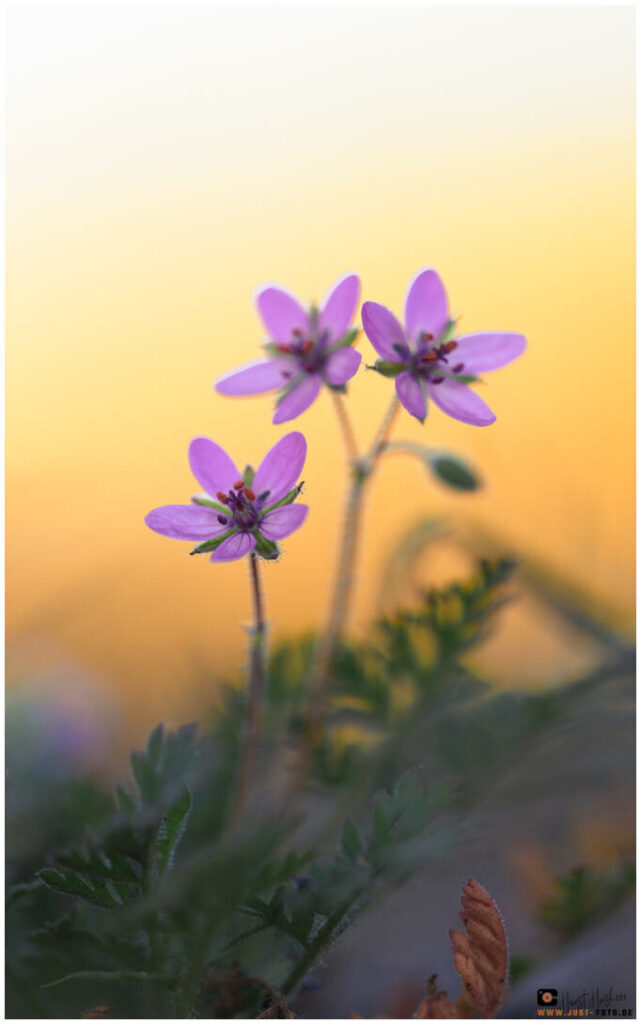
481	956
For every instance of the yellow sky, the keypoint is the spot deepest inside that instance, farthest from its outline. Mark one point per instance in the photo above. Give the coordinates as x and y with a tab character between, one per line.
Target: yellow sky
163	162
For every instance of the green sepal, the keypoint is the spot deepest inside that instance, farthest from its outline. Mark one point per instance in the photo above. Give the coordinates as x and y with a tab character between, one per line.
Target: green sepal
211	545
267	549
461	378
273	351
200	499
348	339
289	387
386	368
448	332
289	497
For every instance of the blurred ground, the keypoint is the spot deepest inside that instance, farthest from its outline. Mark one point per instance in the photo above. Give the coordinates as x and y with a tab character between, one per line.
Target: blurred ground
570	800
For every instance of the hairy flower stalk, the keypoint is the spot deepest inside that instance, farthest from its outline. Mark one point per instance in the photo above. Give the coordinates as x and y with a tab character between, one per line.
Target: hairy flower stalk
241	514
427	362
255	693
361	470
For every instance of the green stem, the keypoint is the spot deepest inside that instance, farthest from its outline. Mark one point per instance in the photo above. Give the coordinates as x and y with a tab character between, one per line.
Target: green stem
320	688
346	426
255	693
316	947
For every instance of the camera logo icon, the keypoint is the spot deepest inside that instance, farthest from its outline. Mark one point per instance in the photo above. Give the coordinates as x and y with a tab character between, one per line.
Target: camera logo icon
547	996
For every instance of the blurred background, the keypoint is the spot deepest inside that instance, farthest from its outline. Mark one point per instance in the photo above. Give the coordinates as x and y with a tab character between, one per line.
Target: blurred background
161	164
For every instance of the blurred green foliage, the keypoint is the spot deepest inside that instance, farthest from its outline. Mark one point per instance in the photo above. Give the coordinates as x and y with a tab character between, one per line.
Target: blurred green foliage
585	895
156	903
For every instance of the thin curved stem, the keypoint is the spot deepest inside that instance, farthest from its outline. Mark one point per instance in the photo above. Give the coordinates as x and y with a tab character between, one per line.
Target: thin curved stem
255	694
320	682
349	437
383	432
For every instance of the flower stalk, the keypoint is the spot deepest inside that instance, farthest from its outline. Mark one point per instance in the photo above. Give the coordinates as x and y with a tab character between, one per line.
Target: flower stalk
255	694
360	470
347	430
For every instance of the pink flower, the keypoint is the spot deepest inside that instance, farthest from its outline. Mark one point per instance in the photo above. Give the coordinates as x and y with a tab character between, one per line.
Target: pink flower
306	349
425	358
242	512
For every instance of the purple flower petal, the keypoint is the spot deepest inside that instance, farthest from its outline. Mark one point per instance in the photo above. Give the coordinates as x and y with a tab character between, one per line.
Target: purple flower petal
383	330
281	312
411	395
185	522
261	375
236	546
281	468
339	305
341	366
482	351
458	401
426	305
212	466
298	399
283	521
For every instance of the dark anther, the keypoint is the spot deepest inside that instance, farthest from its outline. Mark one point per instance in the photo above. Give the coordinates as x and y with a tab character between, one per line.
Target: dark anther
429	357
238	486
223	520
437	380
458	367
249	494
263	496
449	346
222	497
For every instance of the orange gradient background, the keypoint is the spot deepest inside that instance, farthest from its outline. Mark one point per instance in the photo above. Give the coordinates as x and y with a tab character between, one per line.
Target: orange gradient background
162	163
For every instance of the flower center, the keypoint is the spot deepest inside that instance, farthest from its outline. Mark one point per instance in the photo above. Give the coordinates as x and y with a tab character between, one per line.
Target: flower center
432	362
244	507
308	350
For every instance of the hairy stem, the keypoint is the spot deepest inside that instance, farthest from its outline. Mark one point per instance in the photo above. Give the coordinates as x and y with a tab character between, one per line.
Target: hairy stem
316	947
345	425
361	471
255	692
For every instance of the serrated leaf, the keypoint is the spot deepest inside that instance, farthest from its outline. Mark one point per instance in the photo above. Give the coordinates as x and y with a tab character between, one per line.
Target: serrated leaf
101	864
171	829
107	894
106	976
155	742
144	777
381	822
124	801
352	843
